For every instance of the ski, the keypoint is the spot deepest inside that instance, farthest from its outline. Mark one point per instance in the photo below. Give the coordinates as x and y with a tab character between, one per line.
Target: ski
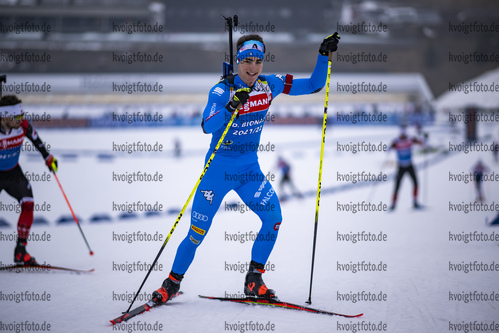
41	268
138	310
279	304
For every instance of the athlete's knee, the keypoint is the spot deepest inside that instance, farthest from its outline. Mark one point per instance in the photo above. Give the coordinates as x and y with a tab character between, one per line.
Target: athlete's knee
27	205
271	228
272	216
276	227
272	211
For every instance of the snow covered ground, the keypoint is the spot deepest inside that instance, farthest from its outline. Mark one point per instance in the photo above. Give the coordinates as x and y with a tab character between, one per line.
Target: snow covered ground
423	284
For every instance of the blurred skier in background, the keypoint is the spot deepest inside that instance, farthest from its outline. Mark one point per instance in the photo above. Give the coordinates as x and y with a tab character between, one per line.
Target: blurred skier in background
495	152
478	170
177	148
285	168
403	147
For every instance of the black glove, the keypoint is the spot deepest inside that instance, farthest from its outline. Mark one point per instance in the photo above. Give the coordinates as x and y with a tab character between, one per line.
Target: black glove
241	96
329	44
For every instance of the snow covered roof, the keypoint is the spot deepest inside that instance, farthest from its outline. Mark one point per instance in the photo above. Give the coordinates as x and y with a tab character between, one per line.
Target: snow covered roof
482	92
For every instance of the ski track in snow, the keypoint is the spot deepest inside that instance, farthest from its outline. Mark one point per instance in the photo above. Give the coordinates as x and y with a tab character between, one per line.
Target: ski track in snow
418	253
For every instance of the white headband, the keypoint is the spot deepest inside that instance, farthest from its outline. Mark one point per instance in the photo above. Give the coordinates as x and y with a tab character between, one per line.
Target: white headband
11	110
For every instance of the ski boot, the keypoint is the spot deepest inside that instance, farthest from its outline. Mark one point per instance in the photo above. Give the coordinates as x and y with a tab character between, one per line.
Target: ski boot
21	256
168	290
254	285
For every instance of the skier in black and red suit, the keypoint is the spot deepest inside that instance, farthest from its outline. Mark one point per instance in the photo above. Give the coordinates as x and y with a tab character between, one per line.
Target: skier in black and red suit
13	130
403	146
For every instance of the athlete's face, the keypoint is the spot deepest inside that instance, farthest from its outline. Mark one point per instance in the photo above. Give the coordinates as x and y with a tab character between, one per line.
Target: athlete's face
249	69
11	122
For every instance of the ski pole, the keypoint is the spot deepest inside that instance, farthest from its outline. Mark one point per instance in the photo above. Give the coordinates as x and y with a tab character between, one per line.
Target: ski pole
373	186
234	115
72	212
330	58
227	70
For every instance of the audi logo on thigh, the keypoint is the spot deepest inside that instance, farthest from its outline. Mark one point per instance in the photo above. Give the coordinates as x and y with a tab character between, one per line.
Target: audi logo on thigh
198	216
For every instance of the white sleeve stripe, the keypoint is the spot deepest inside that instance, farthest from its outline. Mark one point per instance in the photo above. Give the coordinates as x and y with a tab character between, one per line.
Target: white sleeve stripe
219	91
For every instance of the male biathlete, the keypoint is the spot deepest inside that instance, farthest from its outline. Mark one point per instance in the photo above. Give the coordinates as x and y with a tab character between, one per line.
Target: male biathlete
403	146
238	157
13	130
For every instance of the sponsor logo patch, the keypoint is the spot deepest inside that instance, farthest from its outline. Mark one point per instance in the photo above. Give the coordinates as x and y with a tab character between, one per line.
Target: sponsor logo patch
219	91
199	216
208	195
195	241
198	230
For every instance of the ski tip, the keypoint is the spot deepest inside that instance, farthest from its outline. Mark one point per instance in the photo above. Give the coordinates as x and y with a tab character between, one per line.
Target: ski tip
77	271
91	253
116	321
124	317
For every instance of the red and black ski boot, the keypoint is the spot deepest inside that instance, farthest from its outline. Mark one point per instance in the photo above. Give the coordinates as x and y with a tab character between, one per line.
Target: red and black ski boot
169	288
21	256
254	285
